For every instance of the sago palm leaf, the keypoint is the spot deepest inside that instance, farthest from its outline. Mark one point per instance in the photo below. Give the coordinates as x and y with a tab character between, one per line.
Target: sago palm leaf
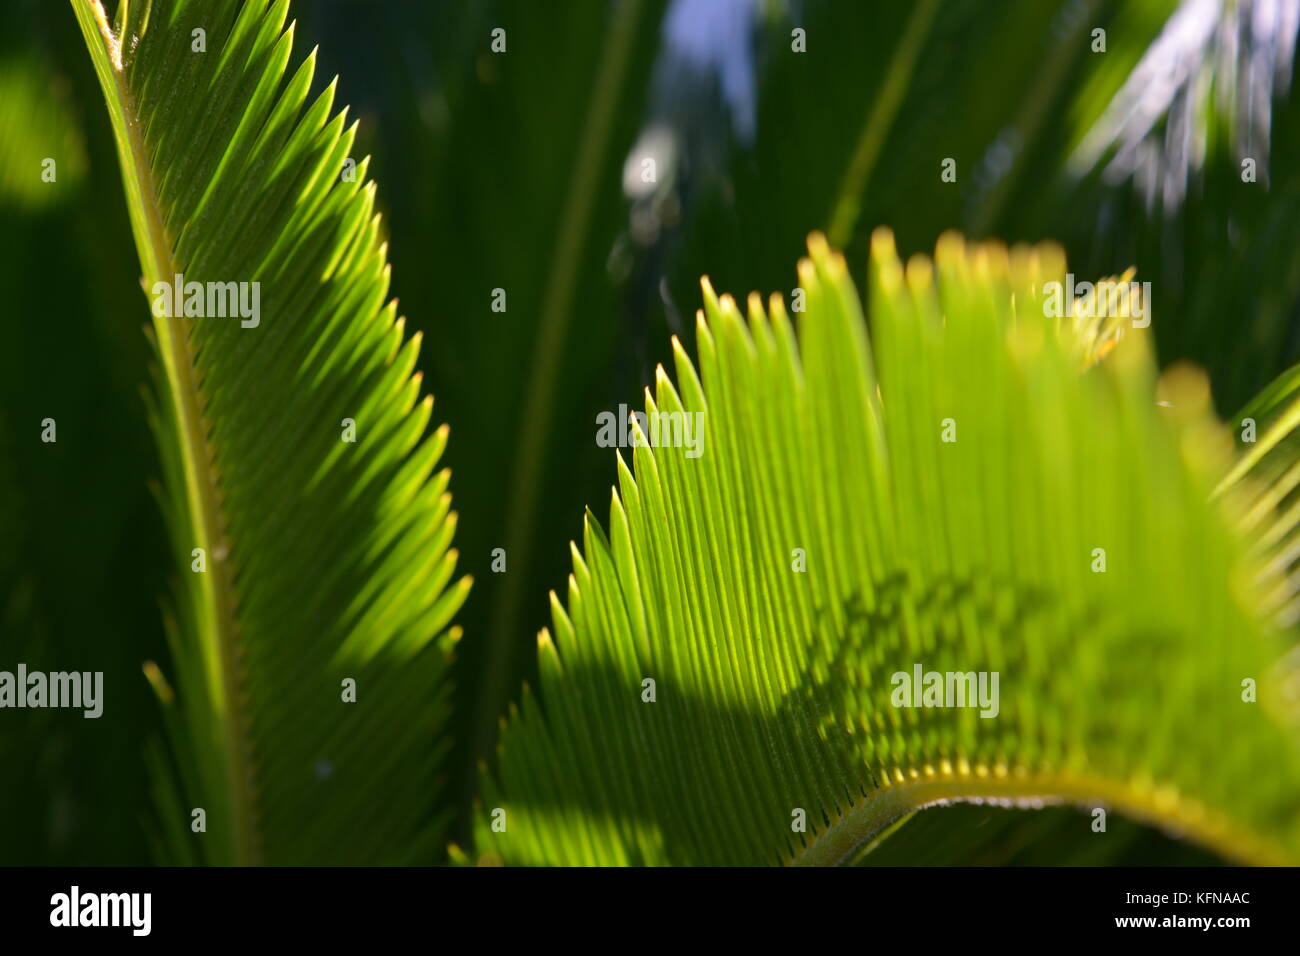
981	489
1266	480
315	568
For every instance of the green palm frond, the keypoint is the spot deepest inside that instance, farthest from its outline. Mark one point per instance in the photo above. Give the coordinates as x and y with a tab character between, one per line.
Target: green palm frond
1266	479
980	489
306	559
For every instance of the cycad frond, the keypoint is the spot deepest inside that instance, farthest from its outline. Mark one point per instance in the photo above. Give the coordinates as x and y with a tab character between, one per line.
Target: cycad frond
962	495
1264	483
307	559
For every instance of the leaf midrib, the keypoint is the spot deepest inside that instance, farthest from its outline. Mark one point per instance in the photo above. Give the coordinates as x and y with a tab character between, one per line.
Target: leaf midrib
848	833
203	500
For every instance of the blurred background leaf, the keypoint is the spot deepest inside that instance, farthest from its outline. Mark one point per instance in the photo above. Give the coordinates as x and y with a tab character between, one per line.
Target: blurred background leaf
82	550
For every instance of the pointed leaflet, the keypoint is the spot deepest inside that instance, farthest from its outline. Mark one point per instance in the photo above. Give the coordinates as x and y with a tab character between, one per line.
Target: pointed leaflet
323	560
